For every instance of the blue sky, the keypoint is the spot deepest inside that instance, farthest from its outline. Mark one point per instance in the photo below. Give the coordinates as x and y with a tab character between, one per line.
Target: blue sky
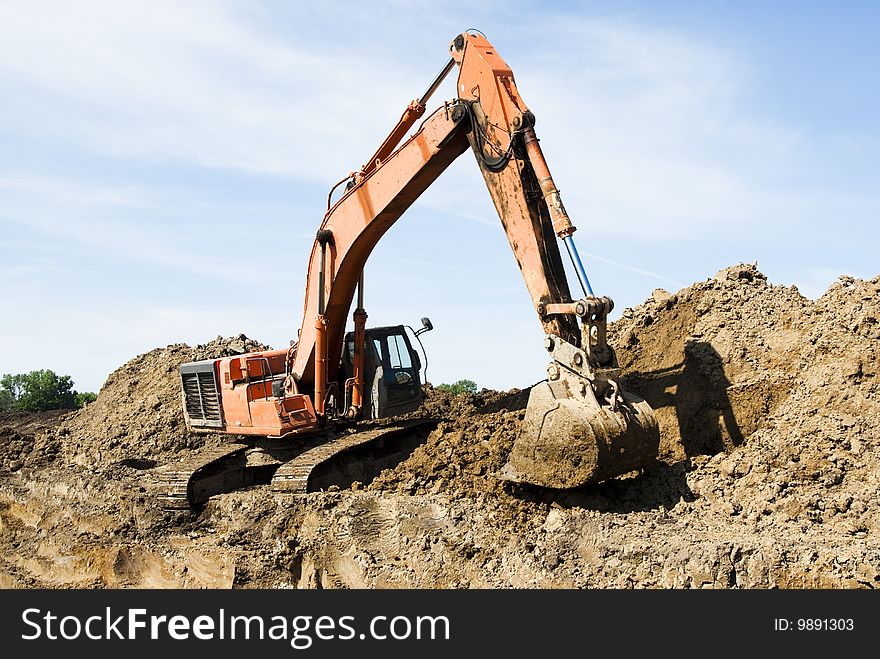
147	147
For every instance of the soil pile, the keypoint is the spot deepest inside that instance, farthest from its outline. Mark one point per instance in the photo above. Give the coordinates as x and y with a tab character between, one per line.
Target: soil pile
781	391
768	406
26	438
734	366
465	453
769	473
138	415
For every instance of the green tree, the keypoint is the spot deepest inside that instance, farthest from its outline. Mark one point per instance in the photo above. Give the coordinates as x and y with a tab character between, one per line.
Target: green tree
459	388
5	400
85	398
37	391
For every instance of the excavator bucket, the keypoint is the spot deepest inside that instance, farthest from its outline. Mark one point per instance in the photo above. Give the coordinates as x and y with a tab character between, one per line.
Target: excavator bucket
566	442
578	431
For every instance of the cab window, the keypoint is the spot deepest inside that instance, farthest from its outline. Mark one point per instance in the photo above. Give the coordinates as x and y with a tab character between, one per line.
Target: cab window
398	352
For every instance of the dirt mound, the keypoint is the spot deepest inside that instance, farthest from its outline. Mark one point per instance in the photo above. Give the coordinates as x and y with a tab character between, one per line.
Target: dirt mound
769	474
724	359
468	448
27	437
781	391
714	361
767	404
138	415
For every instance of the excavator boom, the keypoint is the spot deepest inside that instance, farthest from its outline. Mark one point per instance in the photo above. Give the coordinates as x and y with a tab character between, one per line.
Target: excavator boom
580	426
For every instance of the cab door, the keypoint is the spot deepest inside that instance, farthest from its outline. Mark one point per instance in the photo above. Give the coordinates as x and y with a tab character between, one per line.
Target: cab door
397	388
391	372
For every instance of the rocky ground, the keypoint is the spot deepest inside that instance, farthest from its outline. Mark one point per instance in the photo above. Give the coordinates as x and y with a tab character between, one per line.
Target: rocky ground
770	464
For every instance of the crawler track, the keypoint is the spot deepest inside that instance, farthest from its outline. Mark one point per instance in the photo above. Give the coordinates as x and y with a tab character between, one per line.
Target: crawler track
297	464
189	483
299	475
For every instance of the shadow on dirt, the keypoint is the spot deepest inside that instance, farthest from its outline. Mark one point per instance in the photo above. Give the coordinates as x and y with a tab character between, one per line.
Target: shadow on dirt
697	389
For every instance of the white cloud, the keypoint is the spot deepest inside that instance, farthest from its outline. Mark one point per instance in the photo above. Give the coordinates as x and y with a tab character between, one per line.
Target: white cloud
643	128
194	81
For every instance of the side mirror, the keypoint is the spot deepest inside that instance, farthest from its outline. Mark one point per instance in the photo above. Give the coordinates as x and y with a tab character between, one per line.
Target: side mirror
426	326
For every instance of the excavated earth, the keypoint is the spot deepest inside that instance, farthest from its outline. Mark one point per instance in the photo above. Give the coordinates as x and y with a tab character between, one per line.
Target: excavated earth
770	465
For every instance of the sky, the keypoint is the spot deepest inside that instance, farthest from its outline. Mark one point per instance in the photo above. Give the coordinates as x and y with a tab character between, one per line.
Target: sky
164	165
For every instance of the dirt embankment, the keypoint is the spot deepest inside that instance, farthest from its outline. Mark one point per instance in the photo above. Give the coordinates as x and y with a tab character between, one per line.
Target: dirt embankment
768	406
138	415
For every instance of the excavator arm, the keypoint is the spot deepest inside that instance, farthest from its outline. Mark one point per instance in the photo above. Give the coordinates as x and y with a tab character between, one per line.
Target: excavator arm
580	426
350	231
492	118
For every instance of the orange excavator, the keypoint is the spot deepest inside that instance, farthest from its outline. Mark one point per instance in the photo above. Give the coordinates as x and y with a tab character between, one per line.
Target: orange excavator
292	409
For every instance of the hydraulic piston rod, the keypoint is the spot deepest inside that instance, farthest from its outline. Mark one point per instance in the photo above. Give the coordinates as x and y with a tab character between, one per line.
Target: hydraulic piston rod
578	265
562	225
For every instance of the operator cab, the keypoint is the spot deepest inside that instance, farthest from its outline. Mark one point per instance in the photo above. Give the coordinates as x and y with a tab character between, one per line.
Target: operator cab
392	382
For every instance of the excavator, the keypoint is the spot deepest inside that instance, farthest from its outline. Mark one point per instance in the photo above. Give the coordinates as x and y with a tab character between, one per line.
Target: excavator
295	411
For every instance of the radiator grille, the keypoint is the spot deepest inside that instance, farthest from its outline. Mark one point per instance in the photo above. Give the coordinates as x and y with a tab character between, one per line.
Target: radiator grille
201	399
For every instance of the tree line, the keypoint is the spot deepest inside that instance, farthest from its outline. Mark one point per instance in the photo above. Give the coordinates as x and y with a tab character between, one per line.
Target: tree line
39	391
459	388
